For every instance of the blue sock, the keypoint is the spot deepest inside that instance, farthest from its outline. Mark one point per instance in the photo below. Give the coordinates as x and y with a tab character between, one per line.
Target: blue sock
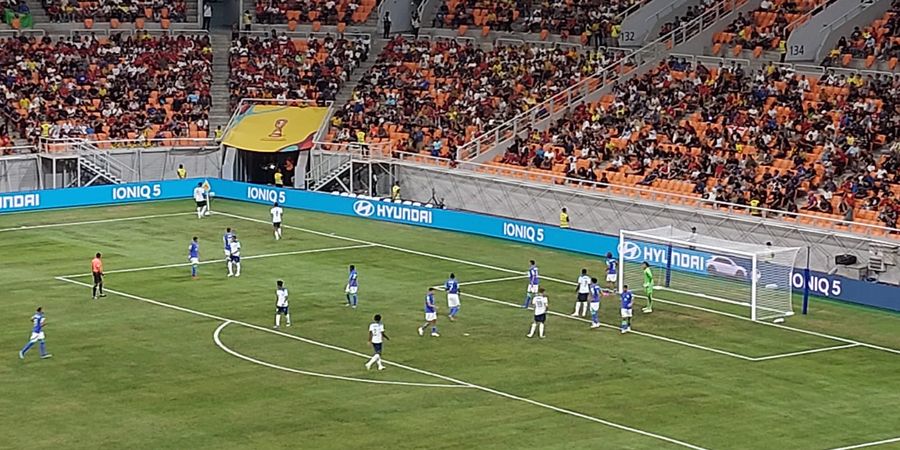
527	300
43	348
194	271
434	329
355	299
27	346
594	316
454	310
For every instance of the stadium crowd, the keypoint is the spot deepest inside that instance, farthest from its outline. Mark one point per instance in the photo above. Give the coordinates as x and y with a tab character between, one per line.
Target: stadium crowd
328	12
276	66
441	93
121	10
881	40
599	19
766	138
768	26
125	86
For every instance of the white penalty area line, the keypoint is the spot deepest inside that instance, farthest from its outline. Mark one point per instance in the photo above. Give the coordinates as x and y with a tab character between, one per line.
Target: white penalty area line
403	366
869	444
220	344
90	222
219	261
491	280
804	352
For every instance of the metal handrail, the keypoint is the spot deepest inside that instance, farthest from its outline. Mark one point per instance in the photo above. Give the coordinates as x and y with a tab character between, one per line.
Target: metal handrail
630	191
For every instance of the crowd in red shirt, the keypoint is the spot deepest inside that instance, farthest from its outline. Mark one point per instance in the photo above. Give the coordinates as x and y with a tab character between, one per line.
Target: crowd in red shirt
122	10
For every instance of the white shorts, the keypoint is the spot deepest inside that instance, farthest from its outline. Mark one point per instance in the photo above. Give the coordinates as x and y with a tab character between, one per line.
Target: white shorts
532	289
595	306
430	316
626	313
351	289
452	300
611	278
37	336
195	260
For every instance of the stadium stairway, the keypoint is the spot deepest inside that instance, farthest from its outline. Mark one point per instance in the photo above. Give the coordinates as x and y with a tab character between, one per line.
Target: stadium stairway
346	92
38	14
220	112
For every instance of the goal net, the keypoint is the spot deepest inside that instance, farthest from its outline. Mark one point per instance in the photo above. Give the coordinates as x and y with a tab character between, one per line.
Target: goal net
753	276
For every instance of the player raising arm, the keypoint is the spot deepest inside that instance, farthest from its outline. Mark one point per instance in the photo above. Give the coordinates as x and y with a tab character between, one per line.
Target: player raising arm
194	256
627	304
276	213
648	287
352	289
37	335
533	283
612	271
430	314
540	313
376	338
452	288
281	304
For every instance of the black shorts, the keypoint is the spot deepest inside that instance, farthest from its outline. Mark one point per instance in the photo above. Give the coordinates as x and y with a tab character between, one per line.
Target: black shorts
281	310
277	225
582	297
540	318
98	277
377	347
201	203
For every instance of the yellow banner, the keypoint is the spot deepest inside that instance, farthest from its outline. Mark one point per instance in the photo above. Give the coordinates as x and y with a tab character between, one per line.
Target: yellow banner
275	128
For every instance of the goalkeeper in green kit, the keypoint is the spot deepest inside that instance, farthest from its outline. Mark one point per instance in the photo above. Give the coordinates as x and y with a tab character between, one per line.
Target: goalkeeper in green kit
648	287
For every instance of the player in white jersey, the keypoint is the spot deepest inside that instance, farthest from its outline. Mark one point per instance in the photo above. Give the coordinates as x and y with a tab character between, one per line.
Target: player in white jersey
234	260
584	290
376	337
541	304
281	304
200	198
276	213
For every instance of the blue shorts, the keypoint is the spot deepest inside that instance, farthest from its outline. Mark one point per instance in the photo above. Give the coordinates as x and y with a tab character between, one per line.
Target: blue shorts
377	347
235	258
281	310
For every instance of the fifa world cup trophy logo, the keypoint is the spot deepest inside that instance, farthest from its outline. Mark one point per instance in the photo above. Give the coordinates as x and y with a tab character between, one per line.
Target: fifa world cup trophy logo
278	131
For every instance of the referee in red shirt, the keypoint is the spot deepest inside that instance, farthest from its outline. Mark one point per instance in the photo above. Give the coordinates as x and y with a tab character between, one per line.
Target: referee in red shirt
97	270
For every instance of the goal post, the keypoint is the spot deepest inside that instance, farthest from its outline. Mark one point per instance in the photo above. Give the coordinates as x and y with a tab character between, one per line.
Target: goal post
753	276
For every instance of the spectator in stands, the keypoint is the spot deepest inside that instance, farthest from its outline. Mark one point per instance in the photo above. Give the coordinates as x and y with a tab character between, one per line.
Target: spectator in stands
386	23
207	15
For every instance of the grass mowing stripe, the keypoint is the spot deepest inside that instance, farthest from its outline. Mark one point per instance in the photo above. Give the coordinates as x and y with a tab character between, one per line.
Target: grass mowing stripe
502	269
402	366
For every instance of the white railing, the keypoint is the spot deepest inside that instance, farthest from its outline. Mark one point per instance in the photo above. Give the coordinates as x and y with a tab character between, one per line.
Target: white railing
577	93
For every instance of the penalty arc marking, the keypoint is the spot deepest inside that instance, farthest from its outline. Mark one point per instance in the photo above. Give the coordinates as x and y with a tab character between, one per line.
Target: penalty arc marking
217	339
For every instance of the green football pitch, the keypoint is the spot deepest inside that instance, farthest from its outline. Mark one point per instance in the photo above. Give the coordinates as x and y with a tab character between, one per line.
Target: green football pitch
165	361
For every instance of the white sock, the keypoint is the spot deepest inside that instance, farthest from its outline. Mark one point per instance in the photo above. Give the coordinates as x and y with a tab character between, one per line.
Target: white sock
288	317
380	366
531	333
230	271
199	212
577	304
541	328
372	360
276	235
238	272
277	320
584	307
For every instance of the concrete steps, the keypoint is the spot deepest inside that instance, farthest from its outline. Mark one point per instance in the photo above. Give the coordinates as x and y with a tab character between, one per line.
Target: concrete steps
346	92
220	112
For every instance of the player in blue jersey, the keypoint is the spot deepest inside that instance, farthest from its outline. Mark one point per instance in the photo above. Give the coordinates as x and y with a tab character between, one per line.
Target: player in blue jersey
226	239
452	288
430	314
377	336
596	293
352	289
612	271
194	257
533	284
627	305
37	334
